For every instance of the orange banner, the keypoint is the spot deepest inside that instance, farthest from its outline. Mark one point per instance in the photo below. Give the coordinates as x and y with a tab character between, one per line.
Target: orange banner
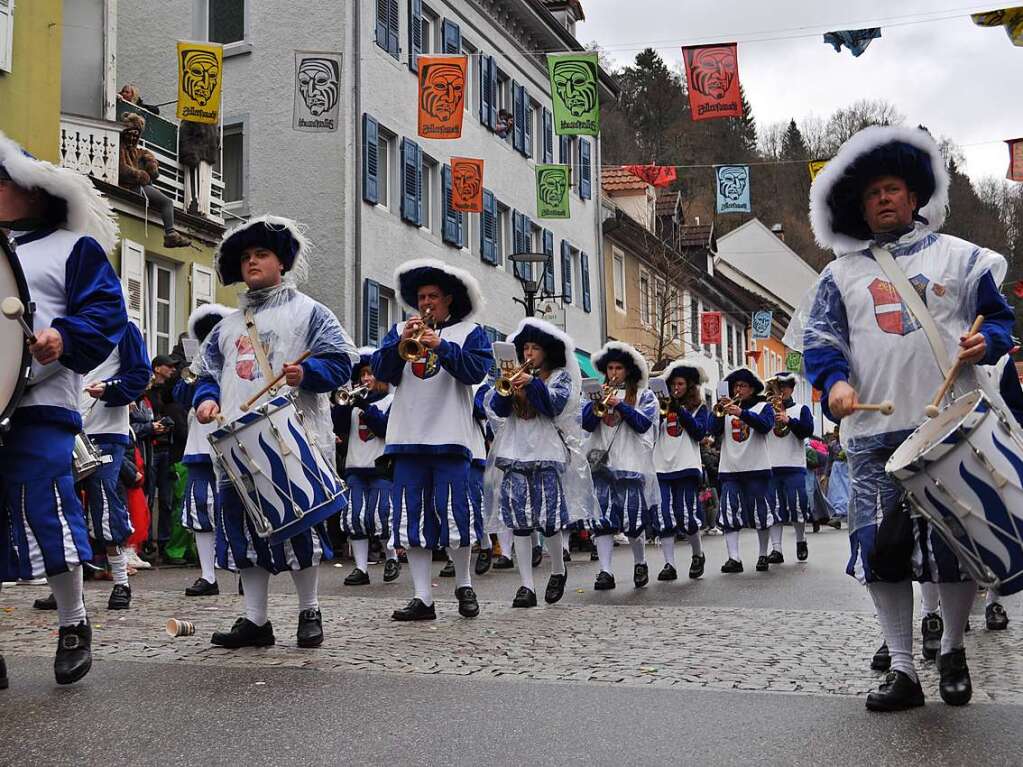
712	76
466	185
1015	160
441	96
710	328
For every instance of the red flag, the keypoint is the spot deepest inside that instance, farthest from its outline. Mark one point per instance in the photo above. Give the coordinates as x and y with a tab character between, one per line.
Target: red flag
1015	160
710	328
655	175
712	75
1017	289
755	354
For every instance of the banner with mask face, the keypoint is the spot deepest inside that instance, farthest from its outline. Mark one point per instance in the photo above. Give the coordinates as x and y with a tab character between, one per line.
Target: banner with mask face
200	80
317	91
552	184
441	96
1010	18
712	76
794	362
815	167
762	323
1015	172
575	94
732	188
466	185
710	328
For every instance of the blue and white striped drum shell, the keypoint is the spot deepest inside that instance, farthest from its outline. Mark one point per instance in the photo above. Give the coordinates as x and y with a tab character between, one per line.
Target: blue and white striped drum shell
963	471
284	481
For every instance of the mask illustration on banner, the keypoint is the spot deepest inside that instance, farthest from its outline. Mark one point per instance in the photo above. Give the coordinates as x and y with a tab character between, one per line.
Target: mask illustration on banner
466	185
762	324
794	362
441	96
733	189
710	328
317	91
575	96
712	73
199	82
552	191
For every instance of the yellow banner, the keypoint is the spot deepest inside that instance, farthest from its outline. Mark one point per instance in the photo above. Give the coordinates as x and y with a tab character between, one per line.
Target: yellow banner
200	79
816	167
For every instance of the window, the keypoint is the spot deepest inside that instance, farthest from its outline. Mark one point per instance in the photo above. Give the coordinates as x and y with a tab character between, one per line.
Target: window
426	193
385	150
675	309
378	312
472	74
233	159
659	307
226	20
548	273
548	136
387	28
618	278
584	273
6	34
488	228
160	302
644	298
566	272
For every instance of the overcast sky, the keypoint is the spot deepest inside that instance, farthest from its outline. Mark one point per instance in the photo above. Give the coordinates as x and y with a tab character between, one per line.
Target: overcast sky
960	80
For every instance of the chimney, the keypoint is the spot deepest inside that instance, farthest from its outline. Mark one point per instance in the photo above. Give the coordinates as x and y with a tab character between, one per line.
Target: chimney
779	230
567	12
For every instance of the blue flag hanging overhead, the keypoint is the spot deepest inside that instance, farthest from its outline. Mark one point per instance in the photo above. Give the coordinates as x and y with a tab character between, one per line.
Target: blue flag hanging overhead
856	40
732	189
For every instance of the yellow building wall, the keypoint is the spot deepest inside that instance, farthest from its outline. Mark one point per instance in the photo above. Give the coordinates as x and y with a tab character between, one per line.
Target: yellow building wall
30	92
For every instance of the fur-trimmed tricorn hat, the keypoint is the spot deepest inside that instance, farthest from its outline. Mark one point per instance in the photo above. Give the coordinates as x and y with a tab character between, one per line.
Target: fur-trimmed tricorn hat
365	358
557	346
205	318
637	370
688	369
836	205
787	378
455	282
280	235
74	203
747	375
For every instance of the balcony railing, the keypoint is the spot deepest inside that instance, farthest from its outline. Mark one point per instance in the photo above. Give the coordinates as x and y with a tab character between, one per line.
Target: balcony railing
92	147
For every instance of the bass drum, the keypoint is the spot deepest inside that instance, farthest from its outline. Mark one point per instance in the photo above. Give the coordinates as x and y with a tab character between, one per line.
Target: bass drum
15	360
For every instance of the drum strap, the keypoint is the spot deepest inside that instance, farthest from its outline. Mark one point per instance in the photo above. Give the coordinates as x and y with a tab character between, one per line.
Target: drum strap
915	304
258	350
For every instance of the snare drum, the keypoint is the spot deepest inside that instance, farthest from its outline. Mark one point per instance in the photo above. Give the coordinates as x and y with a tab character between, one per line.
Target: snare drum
963	471
17	362
285	483
85	458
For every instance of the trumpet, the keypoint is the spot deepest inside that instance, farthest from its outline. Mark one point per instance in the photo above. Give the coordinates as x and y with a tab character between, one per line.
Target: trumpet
600	406
346	396
503	385
412	349
773	395
188	376
719	408
666	403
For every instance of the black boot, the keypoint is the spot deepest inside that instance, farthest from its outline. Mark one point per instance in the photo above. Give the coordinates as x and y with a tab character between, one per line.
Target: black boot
604	581
931	629
448	571
896	693
537	556
775	558
415	610
801	551
732	566
697	566
46	603
668	573
555	588
310	628
955	686
357	577
524	598
245	633
640	576
468	605
483	561
502	562
3	674
74	653
392	569
120	597
996	617
763	565
202	588
882	660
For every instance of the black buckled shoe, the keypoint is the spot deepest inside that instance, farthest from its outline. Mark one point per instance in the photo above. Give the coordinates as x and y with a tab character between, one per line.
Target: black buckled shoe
555	588
357	577
501	562
996	617
468	605
46	603
763	565
732	566
566	555
882	660
931	629
668	573
697	566
640	576
448	571
802	552
202	588
74	653
310	628
483	562
537	555
775	558
955	685
245	633
594	556
524	598
392	569
3	674
604	581
415	610
897	693
120	597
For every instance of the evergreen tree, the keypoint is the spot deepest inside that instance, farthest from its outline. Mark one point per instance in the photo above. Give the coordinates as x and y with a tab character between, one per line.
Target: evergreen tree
792	145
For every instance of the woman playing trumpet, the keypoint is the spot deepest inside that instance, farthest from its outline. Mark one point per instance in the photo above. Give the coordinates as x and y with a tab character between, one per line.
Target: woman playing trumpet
536	476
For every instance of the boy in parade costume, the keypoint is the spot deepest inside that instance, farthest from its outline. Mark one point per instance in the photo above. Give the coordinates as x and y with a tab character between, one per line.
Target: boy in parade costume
268	254
679	465
620	448
745	468
63	229
200	511
887	191
430	432
793	424
364	419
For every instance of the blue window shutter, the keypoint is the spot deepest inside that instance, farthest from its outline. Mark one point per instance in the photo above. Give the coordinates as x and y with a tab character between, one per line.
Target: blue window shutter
566	272
419	186
527	123
584	268
415	33
452	36
485	92
449	228
585	185
411	173
488	228
548	135
382	13
393	28
370	159
518	109
371	313
565	150
492	75
548	275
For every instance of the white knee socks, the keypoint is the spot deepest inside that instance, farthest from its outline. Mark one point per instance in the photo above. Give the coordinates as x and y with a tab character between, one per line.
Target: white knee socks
991	598
668	549
776	534
67	590
461	556
605	547
256	583
307	584
360	550
556	547
894	605
929	598
800	528
956	601
732	544
118	566
764	538
205	545
505	538
419	561
638	545
696	544
391	552
524	560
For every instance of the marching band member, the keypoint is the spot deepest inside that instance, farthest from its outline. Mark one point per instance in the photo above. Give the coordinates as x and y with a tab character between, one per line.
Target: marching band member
200	511
63	229
679	465
793	424
537	478
743	423
430	430
620	450
886	193
230	367
369	504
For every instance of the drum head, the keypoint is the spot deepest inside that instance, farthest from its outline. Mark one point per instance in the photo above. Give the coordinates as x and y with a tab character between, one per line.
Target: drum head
934	431
15	361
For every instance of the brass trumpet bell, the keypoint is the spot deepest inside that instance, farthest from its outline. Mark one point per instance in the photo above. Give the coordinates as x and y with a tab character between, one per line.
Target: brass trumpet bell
600	406
346	396
503	385
412	349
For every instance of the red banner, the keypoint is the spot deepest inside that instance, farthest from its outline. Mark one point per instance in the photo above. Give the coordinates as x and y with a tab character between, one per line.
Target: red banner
1015	160
712	76
466	185
655	175
710	328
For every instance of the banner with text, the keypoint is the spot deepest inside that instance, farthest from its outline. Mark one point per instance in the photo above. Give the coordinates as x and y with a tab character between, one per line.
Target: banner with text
552	185
317	91
441	96
732	189
200	81
710	328
467	185
575	94
712	74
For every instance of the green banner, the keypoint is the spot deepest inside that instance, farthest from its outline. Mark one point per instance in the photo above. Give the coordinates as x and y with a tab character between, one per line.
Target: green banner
793	362
574	90
552	185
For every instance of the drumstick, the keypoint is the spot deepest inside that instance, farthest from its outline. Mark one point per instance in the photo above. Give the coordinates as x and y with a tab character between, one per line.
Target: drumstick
884	408
273	383
13	309
932	410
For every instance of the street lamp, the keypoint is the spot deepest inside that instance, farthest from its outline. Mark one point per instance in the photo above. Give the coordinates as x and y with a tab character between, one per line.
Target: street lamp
530	287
